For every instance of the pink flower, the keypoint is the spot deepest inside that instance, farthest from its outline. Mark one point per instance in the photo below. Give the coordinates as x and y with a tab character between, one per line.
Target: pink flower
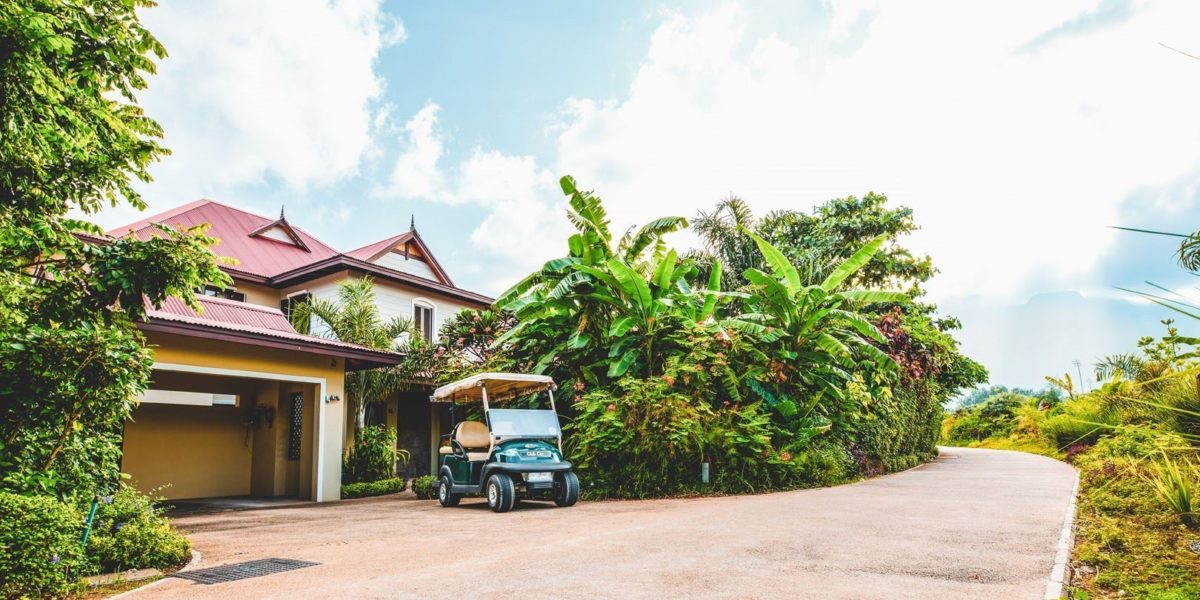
612	407
785	455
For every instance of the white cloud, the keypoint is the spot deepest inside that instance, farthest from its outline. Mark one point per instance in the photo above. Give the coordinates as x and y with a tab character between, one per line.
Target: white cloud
277	90
1014	161
416	172
522	224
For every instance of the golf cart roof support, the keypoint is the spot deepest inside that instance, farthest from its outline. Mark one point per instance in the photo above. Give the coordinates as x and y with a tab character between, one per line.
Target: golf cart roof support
499	385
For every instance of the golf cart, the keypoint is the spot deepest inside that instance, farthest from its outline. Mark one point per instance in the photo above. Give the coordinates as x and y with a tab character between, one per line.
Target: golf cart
513	454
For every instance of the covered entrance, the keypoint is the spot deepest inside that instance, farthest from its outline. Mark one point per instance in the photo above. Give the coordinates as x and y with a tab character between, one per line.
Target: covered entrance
240	405
201	435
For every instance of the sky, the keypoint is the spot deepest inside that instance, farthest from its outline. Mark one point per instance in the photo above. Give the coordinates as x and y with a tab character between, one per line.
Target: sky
1018	132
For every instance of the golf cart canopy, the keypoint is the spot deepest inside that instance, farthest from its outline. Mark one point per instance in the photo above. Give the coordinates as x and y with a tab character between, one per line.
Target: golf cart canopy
499	386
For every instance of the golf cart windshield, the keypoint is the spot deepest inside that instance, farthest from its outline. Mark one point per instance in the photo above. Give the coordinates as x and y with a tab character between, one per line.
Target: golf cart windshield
523	422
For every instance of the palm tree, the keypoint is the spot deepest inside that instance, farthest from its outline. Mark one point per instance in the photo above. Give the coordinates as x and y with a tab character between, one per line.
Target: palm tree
354	317
721	232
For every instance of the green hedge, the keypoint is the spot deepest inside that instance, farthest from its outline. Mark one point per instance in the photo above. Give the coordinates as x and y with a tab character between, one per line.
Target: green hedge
373	488
40	553
130	532
373	455
424	486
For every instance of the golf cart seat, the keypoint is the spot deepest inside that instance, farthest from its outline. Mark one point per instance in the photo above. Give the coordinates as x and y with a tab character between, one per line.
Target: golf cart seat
475	439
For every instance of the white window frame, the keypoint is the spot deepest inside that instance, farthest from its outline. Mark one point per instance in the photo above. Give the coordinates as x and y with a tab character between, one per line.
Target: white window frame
433	316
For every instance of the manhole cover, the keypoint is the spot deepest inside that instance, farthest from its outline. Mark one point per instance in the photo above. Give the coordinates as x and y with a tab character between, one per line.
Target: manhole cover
244	570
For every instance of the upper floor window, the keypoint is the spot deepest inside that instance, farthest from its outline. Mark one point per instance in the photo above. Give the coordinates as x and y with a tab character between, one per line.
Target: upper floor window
228	293
423	318
289	304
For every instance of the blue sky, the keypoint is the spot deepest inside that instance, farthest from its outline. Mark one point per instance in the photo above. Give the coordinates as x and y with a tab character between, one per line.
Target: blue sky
1017	133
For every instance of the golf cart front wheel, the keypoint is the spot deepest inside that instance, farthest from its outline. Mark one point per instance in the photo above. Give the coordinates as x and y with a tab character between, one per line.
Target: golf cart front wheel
566	489
501	495
446	497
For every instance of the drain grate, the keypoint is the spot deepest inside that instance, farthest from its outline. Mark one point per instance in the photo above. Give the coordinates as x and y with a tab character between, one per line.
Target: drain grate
244	570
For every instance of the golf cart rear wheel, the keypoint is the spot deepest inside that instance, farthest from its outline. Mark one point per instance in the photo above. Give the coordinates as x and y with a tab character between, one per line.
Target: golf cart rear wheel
501	495
566	489
446	497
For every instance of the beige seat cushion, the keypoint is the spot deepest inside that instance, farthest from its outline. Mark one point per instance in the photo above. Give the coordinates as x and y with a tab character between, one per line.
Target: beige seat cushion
475	439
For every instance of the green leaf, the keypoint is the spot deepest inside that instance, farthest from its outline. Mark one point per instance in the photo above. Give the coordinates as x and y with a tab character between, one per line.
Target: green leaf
619	367
568	185
714	288
851	265
621	326
632	286
665	270
873	296
780	265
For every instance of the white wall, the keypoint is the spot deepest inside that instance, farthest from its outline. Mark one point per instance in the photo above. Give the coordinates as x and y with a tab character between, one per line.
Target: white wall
412	266
395	300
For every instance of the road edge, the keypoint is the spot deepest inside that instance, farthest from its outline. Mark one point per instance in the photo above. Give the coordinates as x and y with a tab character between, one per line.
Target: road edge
192	564
1060	573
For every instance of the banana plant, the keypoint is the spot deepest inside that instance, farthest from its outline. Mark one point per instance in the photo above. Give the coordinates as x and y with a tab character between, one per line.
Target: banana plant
817	332
607	308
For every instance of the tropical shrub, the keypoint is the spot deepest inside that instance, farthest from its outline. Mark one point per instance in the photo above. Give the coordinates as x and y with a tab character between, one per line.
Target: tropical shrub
641	440
793	378
362	489
130	531
424	487
40	553
373	455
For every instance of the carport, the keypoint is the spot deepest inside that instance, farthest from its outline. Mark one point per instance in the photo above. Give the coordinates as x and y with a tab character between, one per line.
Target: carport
235	409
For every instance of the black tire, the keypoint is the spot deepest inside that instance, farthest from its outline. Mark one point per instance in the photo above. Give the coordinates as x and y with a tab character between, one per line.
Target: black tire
501	495
566	489
446	497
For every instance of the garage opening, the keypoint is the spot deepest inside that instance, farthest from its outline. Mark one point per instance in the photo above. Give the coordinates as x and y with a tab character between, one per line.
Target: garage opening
198	435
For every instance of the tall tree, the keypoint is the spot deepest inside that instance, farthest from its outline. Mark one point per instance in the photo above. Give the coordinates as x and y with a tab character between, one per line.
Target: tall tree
72	141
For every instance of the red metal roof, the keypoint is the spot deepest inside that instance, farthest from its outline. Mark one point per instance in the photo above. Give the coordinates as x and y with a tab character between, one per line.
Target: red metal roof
279	263
232	315
372	251
256	254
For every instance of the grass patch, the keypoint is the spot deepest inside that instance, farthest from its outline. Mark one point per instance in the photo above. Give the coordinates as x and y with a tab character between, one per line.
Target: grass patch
1126	537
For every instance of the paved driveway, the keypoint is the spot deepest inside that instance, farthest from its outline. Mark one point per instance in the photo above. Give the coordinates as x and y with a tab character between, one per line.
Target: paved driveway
973	524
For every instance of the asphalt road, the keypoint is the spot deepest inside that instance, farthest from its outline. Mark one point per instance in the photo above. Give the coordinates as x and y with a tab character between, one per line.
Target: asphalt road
972	524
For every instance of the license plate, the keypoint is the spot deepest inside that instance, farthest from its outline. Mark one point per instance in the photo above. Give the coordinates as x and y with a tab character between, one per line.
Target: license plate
539	477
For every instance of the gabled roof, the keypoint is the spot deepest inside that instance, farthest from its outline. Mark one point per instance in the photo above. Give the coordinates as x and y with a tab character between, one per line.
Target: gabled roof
240	237
240	322
372	252
284	228
265	259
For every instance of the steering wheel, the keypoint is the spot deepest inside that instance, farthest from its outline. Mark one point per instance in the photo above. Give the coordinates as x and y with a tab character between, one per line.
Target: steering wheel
457	448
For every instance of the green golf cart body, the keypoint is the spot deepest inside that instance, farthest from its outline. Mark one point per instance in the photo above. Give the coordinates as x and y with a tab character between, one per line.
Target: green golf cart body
513	454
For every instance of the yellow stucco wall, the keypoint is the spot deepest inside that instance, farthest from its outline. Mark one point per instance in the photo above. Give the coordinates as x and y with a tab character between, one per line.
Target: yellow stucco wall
197	451
262	295
161	435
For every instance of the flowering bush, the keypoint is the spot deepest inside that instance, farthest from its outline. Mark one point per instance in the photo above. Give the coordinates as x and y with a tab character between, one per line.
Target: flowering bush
131	532
40	554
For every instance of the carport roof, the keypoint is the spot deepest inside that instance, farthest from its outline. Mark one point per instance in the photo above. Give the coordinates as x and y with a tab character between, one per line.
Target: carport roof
232	321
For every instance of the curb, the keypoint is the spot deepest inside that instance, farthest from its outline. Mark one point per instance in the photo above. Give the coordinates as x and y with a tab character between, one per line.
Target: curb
1060	574
192	564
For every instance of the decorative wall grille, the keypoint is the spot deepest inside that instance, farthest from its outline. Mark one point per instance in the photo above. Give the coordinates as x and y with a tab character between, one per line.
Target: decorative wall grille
296	425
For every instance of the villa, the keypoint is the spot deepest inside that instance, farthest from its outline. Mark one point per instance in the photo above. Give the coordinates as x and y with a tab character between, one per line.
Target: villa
241	404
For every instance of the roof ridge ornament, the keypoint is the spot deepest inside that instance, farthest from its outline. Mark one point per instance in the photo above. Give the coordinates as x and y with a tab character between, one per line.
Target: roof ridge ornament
412	222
